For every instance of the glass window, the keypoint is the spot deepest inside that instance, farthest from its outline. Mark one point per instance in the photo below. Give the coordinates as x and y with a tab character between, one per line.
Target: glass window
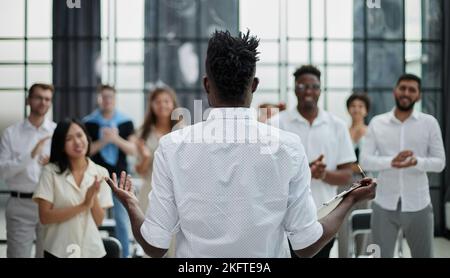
269	52
12	51
130	51
130	18
11	76
39	73
268	77
39	51
265	97
12	14
133	99
266	27
298	52
39	18
340	52
340	77
12	107
298	18
340	19
130	77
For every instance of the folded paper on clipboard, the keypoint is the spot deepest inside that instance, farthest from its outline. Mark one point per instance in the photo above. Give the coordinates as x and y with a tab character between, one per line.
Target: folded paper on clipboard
329	206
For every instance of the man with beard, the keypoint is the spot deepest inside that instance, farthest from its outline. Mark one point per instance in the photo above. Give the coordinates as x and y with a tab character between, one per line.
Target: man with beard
325	137
24	149
403	145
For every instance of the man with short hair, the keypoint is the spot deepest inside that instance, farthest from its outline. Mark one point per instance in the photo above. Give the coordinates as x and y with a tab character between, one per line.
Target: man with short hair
327	141
112	135
239	191
24	149
403	145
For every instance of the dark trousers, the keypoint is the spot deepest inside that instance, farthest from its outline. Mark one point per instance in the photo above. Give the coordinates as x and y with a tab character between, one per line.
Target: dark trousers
324	253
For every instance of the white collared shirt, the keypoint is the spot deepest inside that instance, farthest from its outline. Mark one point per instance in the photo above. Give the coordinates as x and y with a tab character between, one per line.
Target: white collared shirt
386	137
78	236
19	171
225	198
328	135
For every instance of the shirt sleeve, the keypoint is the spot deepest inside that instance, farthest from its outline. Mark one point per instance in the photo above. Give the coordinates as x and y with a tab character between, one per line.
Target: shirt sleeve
105	193
127	130
369	158
346	153
45	188
435	161
161	219
10	164
301	223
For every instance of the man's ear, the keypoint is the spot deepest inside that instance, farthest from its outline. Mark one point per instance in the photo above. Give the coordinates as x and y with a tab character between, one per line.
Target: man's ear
255	84
206	84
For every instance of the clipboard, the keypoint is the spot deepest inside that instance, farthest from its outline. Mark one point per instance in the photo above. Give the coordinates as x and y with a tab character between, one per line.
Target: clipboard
329	206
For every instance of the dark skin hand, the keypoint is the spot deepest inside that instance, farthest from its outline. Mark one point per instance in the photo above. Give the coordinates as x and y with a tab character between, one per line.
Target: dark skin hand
332	222
339	177
123	189
404	159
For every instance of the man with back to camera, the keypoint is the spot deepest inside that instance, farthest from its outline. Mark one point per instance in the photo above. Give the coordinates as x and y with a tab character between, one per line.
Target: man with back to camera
403	145
325	137
24	149
228	198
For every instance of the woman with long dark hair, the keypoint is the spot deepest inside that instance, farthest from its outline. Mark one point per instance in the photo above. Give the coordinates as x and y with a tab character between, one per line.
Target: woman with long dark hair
72	195
158	122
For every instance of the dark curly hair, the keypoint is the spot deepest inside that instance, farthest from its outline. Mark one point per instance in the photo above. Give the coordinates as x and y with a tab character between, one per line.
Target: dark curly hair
231	63
307	69
408	77
359	96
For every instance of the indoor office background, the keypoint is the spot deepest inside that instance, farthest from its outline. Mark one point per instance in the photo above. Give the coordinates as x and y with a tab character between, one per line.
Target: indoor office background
138	44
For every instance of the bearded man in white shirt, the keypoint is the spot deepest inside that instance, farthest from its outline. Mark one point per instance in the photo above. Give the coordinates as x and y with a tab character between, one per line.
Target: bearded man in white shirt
24	149
403	145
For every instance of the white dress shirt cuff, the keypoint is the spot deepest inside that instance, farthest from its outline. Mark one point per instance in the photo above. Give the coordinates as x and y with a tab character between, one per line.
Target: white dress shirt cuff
420	164
26	158
155	235
306	237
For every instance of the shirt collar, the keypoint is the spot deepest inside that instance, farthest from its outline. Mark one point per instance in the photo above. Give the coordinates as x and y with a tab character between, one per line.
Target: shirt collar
232	113
46	125
296	116
91	171
414	116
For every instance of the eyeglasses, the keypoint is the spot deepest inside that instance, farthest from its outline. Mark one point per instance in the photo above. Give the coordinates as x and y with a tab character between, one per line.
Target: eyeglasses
39	98
305	87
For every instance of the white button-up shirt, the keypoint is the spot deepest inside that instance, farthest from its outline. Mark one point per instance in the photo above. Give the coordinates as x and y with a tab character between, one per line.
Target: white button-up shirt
19	171
386	137
78	236
224	194
328	135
